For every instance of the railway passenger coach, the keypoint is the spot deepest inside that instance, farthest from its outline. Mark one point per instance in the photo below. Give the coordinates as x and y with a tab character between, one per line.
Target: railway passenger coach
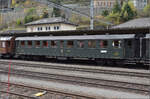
7	47
95	47
104	49
147	58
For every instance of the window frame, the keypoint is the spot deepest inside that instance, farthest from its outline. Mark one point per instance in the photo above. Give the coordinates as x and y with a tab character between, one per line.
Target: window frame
80	46
92	47
28	44
22	43
37	45
45	44
54	44
119	44
104	46
69	45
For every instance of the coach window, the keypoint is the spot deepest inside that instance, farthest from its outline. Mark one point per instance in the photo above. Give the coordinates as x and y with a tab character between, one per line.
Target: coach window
3	44
45	43
29	43
22	43
103	44
54	44
92	44
70	44
80	44
37	44
61	44
116	44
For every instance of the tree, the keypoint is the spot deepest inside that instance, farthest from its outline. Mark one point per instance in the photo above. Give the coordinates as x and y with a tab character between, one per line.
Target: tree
105	13
45	13
146	10
31	11
116	8
18	22
31	15
56	12
128	11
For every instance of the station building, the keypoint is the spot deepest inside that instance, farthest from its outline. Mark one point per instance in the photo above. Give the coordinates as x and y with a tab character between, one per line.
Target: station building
50	24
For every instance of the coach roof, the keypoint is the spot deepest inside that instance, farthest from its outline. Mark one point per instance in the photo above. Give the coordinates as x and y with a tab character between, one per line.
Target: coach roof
5	38
84	37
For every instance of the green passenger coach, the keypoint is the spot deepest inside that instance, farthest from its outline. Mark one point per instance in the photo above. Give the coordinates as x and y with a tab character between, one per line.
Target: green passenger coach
94	47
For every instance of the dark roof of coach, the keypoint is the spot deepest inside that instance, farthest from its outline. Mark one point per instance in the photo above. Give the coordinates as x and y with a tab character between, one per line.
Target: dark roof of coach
51	21
136	23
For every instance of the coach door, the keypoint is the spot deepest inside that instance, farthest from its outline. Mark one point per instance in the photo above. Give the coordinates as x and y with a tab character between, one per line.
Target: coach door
61	48
128	48
117	50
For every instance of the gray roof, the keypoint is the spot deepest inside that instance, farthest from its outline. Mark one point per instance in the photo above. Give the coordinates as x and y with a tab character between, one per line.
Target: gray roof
86	37
5	38
13	31
136	23
50	21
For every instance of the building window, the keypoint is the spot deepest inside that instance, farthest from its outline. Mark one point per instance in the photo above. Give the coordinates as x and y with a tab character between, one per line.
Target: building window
70	44
41	28
22	43
54	27
57	27
38	28
116	44
92	44
80	44
29	43
54	44
49	28
45	43
103	44
37	43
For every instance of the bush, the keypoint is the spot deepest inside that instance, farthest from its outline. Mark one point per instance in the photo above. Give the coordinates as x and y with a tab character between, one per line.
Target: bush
19	22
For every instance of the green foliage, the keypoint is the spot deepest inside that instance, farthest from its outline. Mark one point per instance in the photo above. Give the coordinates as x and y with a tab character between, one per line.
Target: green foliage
128	12
45	13
30	18
56	12
18	22
116	8
31	11
31	15
105	13
114	17
122	14
146	11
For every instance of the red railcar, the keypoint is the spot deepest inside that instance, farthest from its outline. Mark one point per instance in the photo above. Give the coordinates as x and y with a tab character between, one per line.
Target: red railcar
7	45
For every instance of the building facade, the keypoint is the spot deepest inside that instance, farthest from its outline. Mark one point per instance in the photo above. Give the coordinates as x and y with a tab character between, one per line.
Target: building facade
140	4
5	4
50	24
108	4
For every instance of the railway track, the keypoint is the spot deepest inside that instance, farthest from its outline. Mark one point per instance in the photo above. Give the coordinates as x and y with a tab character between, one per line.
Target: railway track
63	94
82	69
90	82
